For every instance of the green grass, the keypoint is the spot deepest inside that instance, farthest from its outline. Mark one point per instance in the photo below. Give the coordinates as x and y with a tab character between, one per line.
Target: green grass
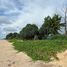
59	37
40	49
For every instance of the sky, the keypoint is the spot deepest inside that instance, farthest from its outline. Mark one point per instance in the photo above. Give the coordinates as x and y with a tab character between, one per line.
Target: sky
15	14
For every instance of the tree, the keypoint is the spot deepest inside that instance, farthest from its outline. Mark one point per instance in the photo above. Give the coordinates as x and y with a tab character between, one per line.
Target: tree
29	31
44	29
15	35
51	26
9	36
12	35
55	24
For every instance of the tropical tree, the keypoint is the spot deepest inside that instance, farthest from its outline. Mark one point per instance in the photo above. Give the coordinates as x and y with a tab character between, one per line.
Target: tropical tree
12	35
9	36
44	29
29	31
51	25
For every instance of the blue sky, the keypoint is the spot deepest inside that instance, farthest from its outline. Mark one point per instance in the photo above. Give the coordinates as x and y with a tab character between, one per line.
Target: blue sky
15	14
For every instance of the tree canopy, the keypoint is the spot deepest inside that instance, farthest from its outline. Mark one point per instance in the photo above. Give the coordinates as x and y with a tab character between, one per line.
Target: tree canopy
29	31
12	35
51	25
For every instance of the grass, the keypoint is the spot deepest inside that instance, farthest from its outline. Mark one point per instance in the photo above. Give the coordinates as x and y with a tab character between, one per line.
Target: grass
40	49
59	37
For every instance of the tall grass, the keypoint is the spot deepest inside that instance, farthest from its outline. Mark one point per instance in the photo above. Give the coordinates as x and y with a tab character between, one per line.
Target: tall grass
40	49
59	37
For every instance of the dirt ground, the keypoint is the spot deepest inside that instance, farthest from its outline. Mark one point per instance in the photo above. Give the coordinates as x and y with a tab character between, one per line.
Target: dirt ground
9	57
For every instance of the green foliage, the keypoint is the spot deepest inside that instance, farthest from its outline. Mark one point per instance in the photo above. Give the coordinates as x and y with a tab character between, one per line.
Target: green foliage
12	35
44	30
59	37
9	36
40	49
50	26
29	31
55	24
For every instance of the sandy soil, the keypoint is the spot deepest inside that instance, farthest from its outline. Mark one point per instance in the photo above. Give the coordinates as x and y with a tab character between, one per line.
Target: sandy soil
11	58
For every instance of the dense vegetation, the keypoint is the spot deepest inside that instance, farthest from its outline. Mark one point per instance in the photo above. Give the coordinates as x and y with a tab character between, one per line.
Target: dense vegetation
12	36
31	39
51	26
29	31
41	49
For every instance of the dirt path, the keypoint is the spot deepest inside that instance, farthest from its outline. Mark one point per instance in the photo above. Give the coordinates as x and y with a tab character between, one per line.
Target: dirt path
11	58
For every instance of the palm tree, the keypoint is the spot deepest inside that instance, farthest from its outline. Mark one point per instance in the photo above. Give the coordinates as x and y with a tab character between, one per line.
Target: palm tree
51	25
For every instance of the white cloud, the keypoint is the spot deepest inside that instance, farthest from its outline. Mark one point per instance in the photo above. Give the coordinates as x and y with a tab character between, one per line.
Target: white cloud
15	14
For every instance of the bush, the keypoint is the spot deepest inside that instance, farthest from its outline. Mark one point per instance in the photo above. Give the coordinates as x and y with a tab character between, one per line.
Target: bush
59	37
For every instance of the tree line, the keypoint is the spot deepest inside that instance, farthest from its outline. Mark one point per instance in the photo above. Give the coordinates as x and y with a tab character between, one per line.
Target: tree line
50	27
